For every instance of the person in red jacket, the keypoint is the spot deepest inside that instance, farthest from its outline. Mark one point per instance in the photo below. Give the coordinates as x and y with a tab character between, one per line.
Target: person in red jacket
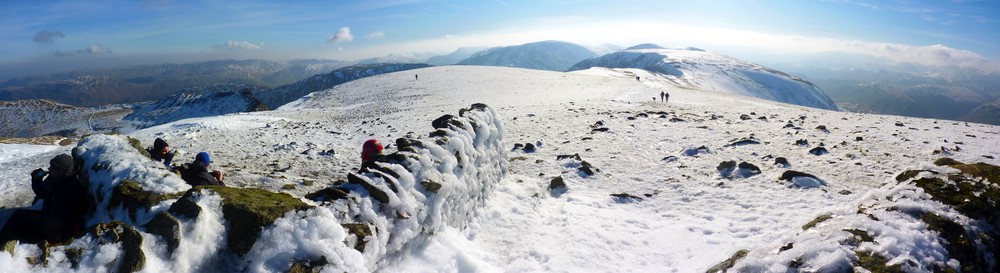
370	151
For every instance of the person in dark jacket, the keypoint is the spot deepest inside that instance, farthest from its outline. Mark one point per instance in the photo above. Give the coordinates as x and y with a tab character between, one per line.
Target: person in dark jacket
161	152
65	202
370	151
198	173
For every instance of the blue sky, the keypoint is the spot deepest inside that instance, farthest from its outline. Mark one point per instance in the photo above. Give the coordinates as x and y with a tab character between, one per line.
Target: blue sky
41	34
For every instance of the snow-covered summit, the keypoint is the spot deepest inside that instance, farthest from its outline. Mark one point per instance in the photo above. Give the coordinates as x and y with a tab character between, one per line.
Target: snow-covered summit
598	178
544	55
695	68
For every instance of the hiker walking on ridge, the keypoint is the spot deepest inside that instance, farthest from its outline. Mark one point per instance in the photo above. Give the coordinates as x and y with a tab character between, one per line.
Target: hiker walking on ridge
661	96
666	97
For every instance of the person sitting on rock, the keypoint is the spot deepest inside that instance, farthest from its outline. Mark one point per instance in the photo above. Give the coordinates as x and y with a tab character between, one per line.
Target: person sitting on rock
64	203
370	151
161	152
198	173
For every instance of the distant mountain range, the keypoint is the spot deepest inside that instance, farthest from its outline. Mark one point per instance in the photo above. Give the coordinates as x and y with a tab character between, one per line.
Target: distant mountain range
866	83
696	68
546	55
93	87
32	118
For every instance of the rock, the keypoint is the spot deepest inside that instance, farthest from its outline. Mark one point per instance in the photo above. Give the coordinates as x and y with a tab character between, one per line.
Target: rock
132	259
695	151
762	118
675	119
802	142
573	156
248	210
747	169
730	170
630	118
602	129
442	122
859	139
168	228
742	142
529	148
307	266
375	192
557	183
900	124
789	125
744	117
670	159
431	185
726	165
822	128
844	192
781	161
10	247
327	194
802	180
185	207
818	151
517	146
586	168
361	232
786	247
131	196
625	196
728	263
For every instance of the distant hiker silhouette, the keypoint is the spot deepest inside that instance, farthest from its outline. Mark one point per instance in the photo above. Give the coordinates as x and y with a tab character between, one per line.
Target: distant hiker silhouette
416	77
666	97
636	78
661	96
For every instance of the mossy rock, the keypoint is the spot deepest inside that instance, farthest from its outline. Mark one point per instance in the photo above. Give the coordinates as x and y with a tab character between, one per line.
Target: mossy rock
308	266
375	192
130	194
186	207
138	146
361	231
728	263
248	210
816	221
133	259
10	246
431	185
327	194
960	247
168	228
876	264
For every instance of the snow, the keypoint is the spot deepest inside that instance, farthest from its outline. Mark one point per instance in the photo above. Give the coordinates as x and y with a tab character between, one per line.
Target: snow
494	212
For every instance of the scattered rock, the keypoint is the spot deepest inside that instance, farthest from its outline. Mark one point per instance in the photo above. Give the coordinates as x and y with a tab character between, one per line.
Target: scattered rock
845	192
133	258
801	179
517	146
375	192
728	263
859	139
625	196
744	117
557	183
730	170
781	161
742	142
675	119
602	129
900	124
786	247
586	168
442	122
431	185
802	142
327	194
816	221
529	148
670	159
573	156
819	151
361	233
822	128
695	151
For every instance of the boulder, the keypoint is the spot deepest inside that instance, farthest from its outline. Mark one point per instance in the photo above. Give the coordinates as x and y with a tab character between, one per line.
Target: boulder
442	122
168	228
248	210
327	194
557	183
361	233
130	195
728	263
781	161
801	179
132	259
818	151
375	192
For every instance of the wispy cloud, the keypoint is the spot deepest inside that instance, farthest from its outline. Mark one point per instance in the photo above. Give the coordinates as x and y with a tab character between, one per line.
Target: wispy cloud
93	49
239	45
343	35
47	37
376	35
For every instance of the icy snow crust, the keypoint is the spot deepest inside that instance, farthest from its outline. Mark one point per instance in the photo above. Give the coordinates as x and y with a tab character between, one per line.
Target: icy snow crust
698	69
683	216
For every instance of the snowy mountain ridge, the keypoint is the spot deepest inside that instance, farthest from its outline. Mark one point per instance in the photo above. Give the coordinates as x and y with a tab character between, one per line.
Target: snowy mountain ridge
698	69
599	178
544	55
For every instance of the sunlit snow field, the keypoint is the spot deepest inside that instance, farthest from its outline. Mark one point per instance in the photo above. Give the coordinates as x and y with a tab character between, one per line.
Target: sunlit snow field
685	217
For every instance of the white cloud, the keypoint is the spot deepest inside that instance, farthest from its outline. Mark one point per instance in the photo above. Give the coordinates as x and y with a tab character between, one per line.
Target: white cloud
343	35
89	50
376	35
239	45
